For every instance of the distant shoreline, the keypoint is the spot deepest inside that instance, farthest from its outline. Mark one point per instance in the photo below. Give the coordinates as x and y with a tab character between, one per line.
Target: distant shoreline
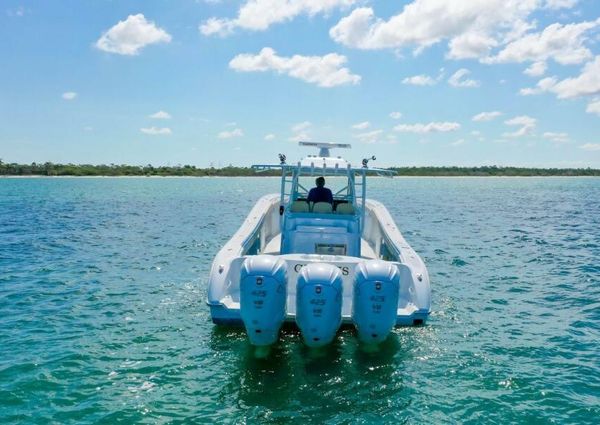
49	169
277	177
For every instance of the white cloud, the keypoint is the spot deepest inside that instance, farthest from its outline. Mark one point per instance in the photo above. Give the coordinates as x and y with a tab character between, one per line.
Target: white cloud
470	45
486	116
560	4
590	147
526	126
395	115
593	107
270	137
556	137
562	43
419	80
301	132
458	79
237	132
70	95
128	37
536	69
587	83
457	142
19	12
391	139
301	126
472	27
216	26
258	15
300	137
369	137
325	71
477	134
432	127
156	131
361	125
521	120
543	85
529	91
160	115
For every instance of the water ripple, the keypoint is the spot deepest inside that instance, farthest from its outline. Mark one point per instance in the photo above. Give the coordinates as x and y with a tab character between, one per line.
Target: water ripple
102	314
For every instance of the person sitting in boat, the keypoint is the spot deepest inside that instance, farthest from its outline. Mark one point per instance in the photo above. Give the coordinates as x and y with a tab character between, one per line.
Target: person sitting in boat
320	193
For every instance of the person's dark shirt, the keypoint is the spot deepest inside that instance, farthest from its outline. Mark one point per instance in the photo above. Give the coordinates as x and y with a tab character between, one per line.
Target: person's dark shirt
320	194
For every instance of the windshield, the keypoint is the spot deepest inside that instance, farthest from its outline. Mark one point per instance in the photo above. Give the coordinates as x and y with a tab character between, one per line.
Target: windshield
339	186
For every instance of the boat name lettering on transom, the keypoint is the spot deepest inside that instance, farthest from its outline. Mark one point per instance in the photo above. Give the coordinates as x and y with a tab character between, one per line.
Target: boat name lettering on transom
344	269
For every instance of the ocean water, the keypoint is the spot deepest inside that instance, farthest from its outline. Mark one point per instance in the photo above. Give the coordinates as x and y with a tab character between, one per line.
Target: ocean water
103	319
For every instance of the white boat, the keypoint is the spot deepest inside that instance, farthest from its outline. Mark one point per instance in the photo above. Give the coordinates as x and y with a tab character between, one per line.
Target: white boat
319	265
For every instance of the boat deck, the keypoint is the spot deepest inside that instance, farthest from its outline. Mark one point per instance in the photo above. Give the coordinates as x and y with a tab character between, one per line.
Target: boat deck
274	246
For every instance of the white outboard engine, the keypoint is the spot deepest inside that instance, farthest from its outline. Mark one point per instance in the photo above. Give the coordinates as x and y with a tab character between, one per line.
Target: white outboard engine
263	292
375	304
319	303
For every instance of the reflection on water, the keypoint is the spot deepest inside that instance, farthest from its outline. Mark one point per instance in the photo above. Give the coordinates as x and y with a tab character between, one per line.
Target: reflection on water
317	380
265	382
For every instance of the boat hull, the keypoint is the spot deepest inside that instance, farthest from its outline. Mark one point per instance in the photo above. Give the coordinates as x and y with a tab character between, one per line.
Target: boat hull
224	316
380	240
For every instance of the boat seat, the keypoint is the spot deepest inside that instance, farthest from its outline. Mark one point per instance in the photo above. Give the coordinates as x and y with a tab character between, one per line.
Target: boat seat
299	206
322	208
345	208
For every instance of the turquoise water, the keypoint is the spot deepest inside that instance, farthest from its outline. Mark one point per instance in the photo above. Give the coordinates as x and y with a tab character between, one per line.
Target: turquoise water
103	320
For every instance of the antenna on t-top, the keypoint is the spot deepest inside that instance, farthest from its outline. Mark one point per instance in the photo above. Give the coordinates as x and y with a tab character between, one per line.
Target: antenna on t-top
325	147
365	161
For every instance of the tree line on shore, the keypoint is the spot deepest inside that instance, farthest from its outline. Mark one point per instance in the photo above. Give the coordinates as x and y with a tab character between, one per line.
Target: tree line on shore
51	169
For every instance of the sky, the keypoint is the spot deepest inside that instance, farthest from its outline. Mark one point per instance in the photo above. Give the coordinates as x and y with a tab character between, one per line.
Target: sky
218	82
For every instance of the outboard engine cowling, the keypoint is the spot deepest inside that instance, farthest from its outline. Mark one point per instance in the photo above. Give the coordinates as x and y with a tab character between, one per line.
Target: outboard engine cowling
319	303
375	303
263	292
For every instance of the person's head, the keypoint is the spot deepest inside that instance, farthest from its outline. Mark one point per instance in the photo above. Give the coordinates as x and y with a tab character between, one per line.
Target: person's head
320	181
